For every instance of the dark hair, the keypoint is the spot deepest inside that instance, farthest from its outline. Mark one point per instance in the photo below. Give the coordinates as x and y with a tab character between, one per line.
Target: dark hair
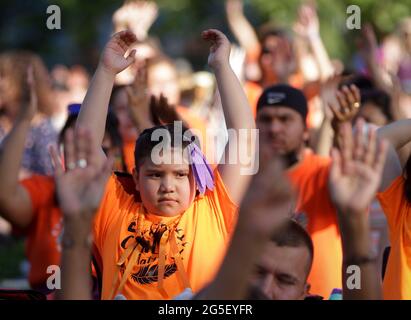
271	30
292	234
407	177
111	129
70	122
145	143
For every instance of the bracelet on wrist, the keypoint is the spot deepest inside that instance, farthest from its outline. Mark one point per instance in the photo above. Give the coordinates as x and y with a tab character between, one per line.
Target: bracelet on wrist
360	260
68	241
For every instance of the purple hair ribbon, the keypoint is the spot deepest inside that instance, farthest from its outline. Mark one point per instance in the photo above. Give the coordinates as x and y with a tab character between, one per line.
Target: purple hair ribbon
203	173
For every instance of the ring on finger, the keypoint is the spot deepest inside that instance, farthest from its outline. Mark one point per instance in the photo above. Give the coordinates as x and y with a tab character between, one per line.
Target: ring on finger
82	163
71	165
356	105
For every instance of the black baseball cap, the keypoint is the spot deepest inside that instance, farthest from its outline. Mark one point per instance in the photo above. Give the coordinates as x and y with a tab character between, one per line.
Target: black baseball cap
286	96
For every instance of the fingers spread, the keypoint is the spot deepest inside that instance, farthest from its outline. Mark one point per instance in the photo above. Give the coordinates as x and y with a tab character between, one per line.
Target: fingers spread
56	161
69	150
359	143
370	154
81	148
346	143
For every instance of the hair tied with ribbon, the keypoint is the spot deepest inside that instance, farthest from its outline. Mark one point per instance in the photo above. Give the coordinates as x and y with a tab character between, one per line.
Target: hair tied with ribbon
203	173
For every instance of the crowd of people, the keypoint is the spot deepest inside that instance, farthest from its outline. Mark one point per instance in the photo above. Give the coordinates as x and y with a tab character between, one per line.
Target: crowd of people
128	180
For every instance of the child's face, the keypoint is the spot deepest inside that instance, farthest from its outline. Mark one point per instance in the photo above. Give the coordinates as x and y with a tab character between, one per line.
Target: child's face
166	189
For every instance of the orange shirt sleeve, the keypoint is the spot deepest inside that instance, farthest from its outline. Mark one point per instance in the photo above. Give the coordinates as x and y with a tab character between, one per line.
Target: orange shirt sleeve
392	200
225	209
105	212
128	152
41	190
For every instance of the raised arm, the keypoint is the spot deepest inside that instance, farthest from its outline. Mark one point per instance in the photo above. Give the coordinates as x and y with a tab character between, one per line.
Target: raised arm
137	16
146	111
308	27
241	27
15	202
398	133
385	81
237	113
355	176
79	191
94	109
344	108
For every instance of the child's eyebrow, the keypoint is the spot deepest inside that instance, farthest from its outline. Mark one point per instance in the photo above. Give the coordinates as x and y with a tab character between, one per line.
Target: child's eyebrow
182	171
153	169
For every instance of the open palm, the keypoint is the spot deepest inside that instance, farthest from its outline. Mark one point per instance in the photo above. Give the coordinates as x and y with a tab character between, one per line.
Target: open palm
113	57
356	169
81	186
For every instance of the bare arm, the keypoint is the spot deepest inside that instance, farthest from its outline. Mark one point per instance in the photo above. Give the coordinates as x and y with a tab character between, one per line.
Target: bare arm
137	16
79	191
308	27
241	27
237	113
398	133
15	202
94	109
355	176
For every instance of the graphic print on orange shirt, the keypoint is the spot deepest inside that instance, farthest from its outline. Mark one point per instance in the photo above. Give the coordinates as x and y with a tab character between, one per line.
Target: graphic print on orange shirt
147	259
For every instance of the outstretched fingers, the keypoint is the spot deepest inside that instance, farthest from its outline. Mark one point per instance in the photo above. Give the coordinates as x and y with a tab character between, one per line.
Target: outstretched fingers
56	161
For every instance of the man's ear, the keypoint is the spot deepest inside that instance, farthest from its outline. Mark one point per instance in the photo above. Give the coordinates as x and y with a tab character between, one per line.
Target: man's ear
306	134
135	178
307	288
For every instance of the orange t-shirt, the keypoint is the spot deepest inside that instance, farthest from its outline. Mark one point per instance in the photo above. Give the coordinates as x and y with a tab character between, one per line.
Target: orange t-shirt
253	92
43	235
397	280
128	152
202	234
310	179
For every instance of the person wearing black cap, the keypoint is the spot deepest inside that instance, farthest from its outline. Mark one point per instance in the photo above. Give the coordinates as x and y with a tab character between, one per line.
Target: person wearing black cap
281	119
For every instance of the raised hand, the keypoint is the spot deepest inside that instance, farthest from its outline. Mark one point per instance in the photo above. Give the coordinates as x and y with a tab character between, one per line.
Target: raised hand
162	112
347	103
307	23
113	58
328	95
356	169
369	44
81	186
29	108
137	16
138	99
219	49
234	7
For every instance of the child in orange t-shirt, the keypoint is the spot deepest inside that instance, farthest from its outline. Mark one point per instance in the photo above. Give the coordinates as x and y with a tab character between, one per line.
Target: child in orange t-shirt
169	230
